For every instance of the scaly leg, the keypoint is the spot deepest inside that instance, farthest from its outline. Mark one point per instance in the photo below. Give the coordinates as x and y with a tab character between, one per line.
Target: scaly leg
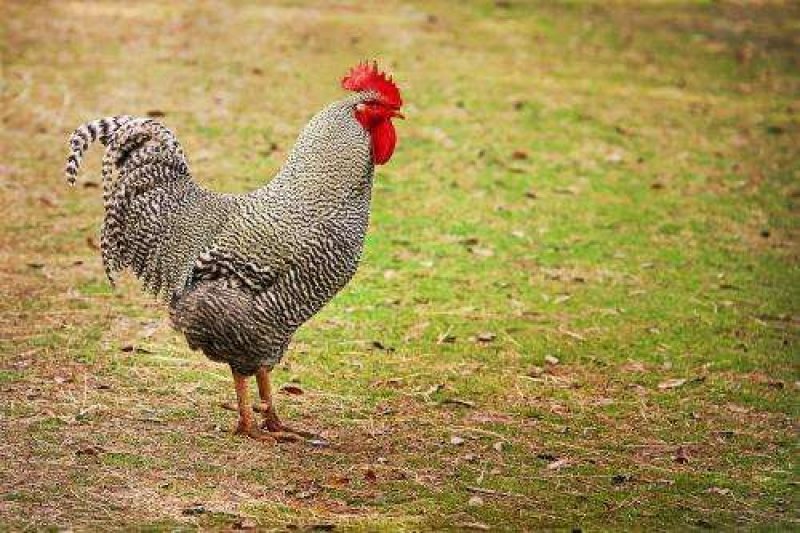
271	422
246	424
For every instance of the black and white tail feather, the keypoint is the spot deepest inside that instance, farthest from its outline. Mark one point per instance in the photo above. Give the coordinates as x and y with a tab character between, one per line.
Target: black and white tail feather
145	181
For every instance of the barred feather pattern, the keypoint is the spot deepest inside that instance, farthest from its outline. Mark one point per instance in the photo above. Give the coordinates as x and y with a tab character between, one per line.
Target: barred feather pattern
241	272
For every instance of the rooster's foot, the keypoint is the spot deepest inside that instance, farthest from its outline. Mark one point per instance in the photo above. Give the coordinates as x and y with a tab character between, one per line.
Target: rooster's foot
252	432
286	432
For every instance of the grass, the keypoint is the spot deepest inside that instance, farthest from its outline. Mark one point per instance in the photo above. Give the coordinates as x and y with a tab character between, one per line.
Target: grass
578	306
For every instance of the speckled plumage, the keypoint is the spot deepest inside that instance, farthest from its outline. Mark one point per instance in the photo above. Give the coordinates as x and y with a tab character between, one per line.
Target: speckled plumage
241	272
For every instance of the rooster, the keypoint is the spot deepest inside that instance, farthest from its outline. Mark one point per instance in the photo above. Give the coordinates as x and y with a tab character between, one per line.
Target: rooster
241	272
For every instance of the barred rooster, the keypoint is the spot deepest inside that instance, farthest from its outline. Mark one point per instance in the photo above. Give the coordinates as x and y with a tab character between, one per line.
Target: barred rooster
242	272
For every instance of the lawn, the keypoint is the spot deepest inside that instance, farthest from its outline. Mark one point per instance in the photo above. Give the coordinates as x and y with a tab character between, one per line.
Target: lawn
578	305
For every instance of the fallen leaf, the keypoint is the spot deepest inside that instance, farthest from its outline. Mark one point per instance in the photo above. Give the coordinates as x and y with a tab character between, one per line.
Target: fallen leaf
551	360
416	331
737	408
671	383
519	155
619	479
475	501
485	336
392	383
477	526
291	389
535	371
568	333
566	190
149	329
498	446
338	480
133	348
458	401
446	338
558	464
370	475
246	523
90	450
681	455
378	345
47	201
718	490
194	510
436	387
633	366
456	440
480	251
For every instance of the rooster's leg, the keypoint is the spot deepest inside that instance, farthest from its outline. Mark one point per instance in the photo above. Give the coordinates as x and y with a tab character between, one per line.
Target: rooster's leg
246	424
271	422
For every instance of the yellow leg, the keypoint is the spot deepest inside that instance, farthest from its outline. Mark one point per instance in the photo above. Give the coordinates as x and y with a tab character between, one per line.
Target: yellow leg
271	422
246	424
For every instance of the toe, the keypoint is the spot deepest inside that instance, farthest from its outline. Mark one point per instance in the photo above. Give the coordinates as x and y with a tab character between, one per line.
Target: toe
285	436
254	433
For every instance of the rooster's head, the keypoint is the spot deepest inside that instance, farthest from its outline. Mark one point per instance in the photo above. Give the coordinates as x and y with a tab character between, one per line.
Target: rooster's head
375	113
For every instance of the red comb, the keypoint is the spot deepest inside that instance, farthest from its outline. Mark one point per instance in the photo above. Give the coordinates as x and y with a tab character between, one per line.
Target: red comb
366	77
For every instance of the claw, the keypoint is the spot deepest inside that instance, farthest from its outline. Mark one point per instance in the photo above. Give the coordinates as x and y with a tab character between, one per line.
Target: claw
272	424
254	433
284	436
280	429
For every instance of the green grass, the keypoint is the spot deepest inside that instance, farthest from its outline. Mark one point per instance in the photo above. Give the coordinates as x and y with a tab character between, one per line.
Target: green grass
611	184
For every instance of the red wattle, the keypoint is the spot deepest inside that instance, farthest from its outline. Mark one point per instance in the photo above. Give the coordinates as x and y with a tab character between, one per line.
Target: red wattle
383	140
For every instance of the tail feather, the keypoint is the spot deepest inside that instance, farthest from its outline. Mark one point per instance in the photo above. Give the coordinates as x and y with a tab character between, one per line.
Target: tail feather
146	186
101	129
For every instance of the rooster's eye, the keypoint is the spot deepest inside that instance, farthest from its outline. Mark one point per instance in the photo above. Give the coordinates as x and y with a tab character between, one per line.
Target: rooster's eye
361	107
